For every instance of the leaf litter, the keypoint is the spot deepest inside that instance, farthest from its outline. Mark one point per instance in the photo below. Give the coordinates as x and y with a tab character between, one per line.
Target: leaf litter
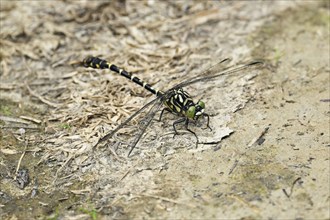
163	43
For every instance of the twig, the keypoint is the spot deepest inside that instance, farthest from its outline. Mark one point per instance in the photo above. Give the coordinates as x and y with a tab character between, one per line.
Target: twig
254	208
291	190
42	99
116	155
297	62
60	169
20	160
20	126
37	121
7	86
259	140
233	167
129	170
209	142
16	120
168	200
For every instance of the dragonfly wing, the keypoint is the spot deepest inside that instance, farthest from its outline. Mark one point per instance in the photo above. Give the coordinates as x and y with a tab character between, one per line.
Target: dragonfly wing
145	124
218	68
110	134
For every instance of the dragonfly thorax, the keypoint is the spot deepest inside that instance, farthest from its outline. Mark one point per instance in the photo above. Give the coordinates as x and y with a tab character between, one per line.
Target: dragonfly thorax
181	103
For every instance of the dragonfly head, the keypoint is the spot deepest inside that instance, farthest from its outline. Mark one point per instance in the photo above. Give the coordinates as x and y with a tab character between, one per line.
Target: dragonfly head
195	111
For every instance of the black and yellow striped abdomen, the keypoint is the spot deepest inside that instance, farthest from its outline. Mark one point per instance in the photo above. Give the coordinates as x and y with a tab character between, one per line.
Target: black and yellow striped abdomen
97	63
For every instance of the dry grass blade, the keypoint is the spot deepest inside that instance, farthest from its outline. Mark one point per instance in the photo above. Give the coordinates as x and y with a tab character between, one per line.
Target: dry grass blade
42	99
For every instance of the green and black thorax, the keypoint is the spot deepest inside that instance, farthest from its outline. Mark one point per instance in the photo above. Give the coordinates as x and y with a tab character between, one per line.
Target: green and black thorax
181	103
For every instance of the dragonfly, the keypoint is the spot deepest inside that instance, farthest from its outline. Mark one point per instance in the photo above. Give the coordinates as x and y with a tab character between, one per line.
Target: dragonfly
174	100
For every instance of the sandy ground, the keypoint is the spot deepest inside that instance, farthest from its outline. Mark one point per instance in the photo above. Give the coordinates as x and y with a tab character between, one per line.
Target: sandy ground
267	156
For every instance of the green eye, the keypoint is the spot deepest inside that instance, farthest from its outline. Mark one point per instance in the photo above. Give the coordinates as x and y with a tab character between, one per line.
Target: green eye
201	104
191	112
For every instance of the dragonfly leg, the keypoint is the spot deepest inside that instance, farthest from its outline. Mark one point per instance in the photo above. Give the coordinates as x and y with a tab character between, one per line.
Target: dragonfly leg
162	112
208	121
178	122
186	125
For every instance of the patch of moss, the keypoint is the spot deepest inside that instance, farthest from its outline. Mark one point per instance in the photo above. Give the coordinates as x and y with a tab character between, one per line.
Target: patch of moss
5	110
65	126
90	211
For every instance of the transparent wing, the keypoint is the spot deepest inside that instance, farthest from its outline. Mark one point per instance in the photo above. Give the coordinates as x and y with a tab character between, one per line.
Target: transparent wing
218	68
145	124
110	134
210	71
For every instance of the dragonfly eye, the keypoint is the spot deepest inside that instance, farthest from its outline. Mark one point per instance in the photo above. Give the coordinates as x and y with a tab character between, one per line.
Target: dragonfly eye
191	112
199	109
201	104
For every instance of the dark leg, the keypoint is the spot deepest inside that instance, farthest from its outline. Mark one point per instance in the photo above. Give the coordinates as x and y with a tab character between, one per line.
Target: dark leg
178	122
161	114
208	122
186	125
186	120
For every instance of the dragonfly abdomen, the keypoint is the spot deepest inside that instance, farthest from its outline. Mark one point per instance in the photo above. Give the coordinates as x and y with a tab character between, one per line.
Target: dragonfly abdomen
97	63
